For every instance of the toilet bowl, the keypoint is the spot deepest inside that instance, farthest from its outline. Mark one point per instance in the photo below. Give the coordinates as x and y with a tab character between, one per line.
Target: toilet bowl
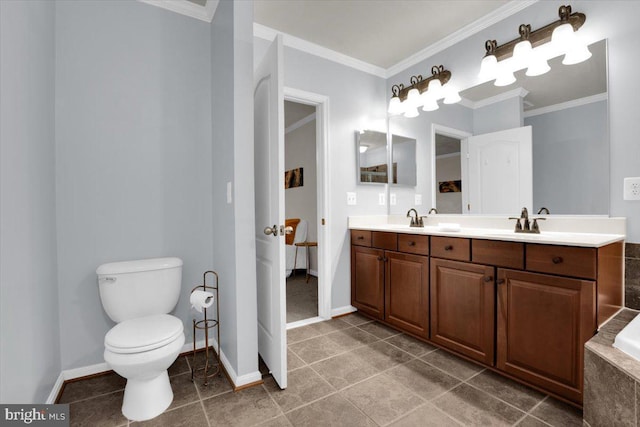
138	295
141	350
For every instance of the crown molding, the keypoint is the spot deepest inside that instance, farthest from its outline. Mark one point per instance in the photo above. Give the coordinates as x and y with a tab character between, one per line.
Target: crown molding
569	104
267	33
503	12
187	8
311	117
513	93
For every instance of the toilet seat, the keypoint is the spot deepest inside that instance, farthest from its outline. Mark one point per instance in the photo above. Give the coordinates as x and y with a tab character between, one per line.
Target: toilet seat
143	334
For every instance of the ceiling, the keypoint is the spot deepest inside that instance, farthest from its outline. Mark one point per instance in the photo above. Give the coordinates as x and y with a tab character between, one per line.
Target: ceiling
379	32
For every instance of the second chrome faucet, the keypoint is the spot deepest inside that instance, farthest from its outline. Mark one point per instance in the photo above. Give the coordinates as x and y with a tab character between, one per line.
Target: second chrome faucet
416	221
525	226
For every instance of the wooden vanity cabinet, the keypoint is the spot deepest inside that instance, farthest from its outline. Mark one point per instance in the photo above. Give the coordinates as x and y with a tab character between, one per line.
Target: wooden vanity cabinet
367	280
543	323
463	307
407	292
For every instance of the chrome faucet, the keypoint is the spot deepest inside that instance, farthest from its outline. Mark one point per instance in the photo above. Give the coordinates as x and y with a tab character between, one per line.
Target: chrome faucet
525	226
433	210
416	221
543	210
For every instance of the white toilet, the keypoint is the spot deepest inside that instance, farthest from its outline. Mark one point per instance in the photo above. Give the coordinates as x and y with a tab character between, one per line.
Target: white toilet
138	295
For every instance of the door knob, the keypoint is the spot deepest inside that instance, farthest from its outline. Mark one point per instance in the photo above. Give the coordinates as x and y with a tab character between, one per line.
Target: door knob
286	230
271	230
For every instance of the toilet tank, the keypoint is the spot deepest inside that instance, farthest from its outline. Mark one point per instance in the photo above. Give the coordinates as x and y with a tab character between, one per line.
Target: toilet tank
132	289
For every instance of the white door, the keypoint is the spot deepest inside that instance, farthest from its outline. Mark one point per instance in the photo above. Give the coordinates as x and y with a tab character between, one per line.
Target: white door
269	197
499	172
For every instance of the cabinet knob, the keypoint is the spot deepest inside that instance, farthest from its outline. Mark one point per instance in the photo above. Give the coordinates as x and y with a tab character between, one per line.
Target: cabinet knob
557	259
380	258
448	248
488	278
360	238
500	281
412	243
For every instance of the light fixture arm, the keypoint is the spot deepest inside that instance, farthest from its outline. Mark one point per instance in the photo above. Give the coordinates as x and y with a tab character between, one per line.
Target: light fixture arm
421	83
537	37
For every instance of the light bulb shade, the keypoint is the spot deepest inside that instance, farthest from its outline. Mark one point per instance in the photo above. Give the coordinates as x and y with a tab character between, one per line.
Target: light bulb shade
522	54
363	148
578	53
505	77
435	89
538	65
413	99
488	68
451	95
395	106
563	37
430	105
411	112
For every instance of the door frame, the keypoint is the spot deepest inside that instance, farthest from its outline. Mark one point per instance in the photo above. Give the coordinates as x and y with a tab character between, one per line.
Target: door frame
323	199
453	133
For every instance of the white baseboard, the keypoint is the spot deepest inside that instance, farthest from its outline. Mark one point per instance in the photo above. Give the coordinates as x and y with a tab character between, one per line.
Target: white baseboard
304	322
71	374
343	310
55	390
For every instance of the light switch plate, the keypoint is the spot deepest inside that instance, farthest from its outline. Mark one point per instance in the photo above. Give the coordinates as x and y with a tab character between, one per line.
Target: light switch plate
418	200
351	198
632	188
382	199
392	199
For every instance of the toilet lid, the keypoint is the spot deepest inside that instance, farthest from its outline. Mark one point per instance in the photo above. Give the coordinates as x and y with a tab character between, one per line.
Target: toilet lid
143	334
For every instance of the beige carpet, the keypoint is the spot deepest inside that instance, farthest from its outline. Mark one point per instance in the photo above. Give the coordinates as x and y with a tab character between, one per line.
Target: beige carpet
302	297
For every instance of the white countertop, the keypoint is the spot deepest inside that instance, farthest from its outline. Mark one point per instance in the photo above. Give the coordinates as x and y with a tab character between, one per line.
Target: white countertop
545	237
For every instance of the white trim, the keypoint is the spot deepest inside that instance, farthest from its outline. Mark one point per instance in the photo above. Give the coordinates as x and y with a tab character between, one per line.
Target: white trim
55	390
446	131
83	371
304	322
343	310
303	121
513	93
569	104
187	8
325	266
476	26
446	156
267	33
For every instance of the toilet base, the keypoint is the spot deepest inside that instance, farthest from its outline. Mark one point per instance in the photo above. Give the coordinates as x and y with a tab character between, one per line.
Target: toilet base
146	399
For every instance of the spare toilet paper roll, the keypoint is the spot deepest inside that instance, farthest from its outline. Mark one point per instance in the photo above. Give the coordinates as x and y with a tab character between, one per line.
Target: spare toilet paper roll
200	300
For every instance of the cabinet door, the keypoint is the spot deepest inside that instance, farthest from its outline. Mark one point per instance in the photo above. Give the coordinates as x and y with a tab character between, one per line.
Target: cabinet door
463	307
407	292
367	280
543	323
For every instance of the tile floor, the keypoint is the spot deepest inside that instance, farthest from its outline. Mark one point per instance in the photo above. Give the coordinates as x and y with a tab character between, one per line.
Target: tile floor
302	297
343	372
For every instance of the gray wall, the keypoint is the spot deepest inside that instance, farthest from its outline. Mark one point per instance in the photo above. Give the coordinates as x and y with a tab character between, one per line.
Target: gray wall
29	327
234	224
605	19
574	136
133	154
498	116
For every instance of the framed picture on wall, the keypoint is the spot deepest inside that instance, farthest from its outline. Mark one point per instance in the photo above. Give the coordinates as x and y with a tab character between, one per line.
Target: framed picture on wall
450	186
293	178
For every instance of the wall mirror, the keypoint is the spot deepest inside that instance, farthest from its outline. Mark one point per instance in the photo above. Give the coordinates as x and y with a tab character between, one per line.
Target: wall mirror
371	152
567	110
403	160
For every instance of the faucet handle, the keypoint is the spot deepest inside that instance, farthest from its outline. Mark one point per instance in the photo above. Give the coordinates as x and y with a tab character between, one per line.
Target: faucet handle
534	226
518	224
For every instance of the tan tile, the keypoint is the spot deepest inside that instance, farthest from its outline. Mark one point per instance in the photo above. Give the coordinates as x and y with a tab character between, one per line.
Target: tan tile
473	407
557	413
379	330
180	366
184	390
315	349
293	361
345	369
280	421
314	330
355	319
351	338
332	411
382	355
530	421
411	345
101	411
426	416
91	387
382	398
243	408
453	365
218	384
186	416
303	386
423	379
516	394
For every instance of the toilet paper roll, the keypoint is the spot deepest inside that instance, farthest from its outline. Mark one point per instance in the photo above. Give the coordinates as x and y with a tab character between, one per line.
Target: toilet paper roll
200	300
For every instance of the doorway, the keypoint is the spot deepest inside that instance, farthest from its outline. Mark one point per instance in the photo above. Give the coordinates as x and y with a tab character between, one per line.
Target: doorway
308	299
448	186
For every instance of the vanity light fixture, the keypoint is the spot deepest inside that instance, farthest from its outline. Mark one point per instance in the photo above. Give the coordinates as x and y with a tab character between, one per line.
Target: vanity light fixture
423	92
533	48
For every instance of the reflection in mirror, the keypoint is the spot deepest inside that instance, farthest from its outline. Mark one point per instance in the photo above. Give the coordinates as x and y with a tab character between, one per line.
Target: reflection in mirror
371	153
403	159
448	181
567	109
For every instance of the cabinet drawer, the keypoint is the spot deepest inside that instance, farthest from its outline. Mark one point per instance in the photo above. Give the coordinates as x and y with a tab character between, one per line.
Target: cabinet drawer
451	248
563	260
413	244
361	238
384	240
501	254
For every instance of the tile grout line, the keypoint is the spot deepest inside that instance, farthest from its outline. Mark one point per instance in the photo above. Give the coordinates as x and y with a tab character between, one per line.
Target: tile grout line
206	416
